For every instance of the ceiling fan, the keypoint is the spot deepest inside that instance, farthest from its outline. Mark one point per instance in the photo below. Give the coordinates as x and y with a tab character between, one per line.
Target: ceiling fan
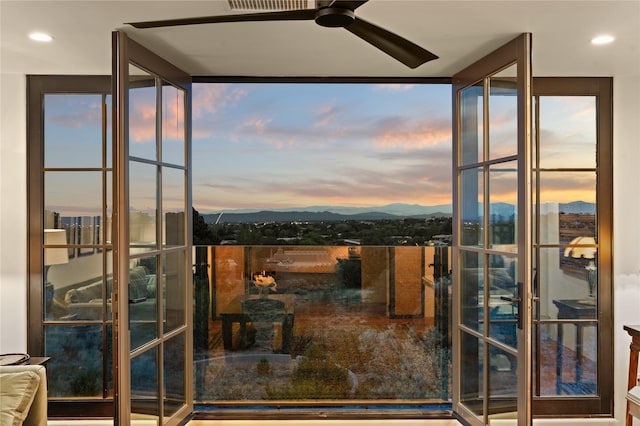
328	13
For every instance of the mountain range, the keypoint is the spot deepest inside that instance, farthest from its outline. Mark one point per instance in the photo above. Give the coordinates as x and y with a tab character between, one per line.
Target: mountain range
392	211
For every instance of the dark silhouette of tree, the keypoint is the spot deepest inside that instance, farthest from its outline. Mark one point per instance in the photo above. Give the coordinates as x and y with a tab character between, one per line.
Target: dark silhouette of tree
202	234
385	232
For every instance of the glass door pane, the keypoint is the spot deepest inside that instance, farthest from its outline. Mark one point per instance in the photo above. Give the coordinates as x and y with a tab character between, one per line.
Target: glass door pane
153	265
567	245
492	237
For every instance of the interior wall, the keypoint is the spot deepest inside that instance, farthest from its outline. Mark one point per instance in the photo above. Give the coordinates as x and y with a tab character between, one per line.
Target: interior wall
13	213
13	223
626	226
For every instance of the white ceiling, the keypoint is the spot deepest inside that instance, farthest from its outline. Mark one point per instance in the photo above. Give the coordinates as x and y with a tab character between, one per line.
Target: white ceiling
457	31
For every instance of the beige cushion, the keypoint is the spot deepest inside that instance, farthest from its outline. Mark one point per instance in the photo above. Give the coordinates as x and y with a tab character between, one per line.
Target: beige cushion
17	391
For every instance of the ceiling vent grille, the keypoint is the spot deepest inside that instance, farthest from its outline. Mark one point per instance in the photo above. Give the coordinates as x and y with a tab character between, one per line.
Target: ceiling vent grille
268	5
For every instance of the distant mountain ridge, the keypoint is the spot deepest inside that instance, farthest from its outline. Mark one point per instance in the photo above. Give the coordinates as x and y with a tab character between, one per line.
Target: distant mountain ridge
578	207
392	211
307	216
399	209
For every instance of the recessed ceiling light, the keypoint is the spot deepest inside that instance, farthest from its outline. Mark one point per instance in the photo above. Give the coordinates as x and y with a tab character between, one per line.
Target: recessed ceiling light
40	37
602	39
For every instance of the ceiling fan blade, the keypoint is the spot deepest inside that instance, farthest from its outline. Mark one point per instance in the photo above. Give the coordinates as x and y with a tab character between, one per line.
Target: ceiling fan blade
287	15
392	44
348	4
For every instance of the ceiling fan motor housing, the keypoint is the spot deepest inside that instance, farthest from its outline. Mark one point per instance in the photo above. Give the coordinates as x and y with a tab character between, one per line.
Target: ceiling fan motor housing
335	17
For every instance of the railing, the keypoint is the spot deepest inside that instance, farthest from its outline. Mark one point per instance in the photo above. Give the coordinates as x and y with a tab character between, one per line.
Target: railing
343	324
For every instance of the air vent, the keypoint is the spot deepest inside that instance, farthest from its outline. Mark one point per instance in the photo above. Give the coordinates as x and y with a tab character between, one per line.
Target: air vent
268	5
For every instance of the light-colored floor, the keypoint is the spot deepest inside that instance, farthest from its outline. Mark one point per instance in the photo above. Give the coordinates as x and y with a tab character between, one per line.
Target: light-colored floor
271	423
369	422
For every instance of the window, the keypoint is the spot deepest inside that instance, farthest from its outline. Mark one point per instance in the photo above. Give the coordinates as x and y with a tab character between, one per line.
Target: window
572	246
70	252
398	282
329	212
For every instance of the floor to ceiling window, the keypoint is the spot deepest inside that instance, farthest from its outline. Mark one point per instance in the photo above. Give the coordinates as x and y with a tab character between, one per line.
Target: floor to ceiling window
329	212
70	256
573	218
322	228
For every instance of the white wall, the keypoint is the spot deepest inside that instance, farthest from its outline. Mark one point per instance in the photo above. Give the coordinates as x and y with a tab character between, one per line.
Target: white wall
13	213
13	224
626	202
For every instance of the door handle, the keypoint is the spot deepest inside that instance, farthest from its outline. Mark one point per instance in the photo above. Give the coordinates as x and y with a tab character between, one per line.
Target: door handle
517	300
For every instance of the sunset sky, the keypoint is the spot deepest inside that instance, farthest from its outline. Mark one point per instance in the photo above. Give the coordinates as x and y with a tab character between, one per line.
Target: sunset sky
292	145
261	146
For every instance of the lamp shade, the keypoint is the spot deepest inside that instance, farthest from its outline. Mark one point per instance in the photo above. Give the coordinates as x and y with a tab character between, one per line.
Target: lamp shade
582	252
57	255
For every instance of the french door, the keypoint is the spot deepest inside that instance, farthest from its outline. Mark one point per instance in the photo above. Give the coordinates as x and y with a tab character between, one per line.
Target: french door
152	237
492	237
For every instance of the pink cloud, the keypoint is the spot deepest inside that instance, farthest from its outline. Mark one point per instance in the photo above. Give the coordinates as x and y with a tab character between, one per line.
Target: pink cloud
142	123
326	114
588	113
421	180
142	115
210	98
269	134
81	117
414	135
258	125
173	114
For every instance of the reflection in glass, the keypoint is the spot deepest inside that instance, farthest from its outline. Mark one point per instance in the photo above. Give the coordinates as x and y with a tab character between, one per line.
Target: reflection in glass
69	196
567	206
173	131
503	381
472	207
75	367
109	132
543	359
174	378
143	311
564	277
173	279
106	230
568	132
73	130
173	206
471	120
584	250
142	204
503	114
567	274
326	327
503	206
77	266
109	278
145	386
472	289
572	370
74	289
576	357
142	115
53	256
503	315
472	383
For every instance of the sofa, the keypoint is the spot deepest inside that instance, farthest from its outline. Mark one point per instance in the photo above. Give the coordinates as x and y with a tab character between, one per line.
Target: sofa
23	395
85	302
